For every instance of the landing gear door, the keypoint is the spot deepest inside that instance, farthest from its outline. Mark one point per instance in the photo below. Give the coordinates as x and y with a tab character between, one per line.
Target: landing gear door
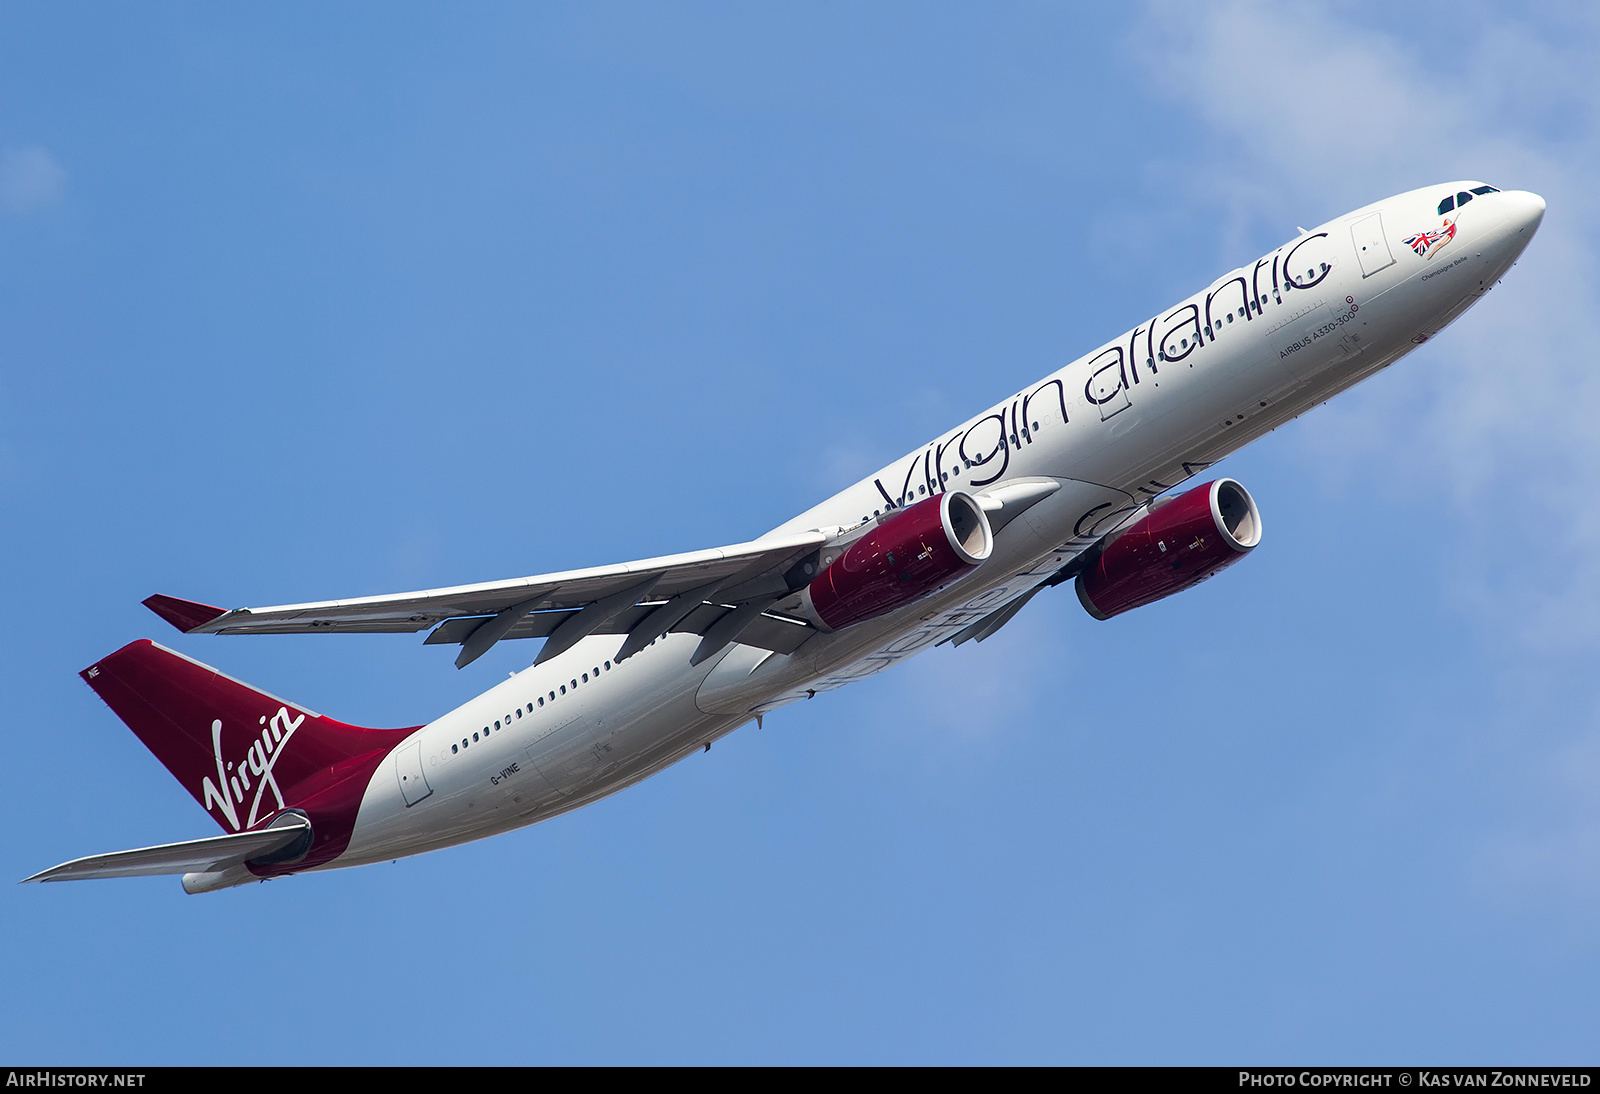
408	770
1372	249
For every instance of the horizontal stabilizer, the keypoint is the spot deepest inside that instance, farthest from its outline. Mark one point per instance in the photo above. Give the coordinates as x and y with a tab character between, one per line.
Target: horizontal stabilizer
196	855
186	615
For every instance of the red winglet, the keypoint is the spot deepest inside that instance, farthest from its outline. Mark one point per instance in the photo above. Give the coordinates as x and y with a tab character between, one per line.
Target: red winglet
186	615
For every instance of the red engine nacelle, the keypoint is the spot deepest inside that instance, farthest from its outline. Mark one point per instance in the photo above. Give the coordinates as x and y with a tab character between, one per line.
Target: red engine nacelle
915	552
1174	546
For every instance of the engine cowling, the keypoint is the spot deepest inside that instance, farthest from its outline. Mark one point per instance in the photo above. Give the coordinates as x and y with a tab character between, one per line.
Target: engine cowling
1174	546
916	552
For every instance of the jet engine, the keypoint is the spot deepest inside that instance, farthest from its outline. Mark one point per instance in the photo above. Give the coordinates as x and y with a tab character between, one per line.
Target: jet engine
909	555
1177	544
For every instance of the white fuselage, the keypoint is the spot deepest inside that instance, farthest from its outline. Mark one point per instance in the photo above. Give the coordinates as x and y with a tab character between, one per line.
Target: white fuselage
1111	430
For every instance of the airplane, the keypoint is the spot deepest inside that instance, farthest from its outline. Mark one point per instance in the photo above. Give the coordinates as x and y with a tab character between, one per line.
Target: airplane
1074	478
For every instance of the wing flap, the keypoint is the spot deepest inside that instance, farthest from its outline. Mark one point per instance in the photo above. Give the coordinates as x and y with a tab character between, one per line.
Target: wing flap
777	633
214	853
699	620
769	632
415	611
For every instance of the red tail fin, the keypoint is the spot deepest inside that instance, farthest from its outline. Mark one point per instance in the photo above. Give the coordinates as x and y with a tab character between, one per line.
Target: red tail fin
245	755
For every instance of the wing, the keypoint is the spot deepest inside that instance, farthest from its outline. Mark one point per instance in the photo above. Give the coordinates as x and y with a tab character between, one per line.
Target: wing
196	855
696	592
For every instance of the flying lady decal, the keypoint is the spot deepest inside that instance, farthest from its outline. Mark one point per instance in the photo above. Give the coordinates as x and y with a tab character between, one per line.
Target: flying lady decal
1427	244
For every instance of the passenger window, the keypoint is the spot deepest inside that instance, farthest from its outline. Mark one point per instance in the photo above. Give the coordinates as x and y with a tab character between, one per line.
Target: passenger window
563	689
496	725
1446	205
553	696
1241	313
574	683
541	700
586	678
463	742
519	710
608	666
454	749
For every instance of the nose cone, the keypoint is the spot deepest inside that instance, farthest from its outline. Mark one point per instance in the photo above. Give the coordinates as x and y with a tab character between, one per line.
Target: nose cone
1525	210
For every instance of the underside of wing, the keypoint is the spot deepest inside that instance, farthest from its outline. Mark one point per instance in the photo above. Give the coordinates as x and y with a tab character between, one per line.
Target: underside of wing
725	594
645	599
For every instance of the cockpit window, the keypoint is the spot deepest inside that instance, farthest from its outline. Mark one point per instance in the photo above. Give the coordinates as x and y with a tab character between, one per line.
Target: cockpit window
1447	204
1462	198
1484	190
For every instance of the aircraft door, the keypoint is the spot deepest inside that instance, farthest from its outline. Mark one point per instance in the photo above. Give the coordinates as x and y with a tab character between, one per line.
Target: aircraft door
1107	388
408	770
1372	249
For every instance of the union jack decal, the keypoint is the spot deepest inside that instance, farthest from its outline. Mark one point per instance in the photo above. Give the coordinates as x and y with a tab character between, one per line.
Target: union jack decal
1427	244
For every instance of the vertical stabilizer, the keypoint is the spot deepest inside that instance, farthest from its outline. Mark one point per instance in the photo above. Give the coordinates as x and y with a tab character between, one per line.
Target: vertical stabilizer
244	755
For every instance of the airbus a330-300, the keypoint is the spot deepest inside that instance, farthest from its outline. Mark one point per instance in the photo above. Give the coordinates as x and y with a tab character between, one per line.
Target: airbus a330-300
1079	477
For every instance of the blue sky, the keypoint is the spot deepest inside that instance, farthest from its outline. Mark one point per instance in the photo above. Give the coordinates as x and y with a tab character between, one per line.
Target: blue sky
305	302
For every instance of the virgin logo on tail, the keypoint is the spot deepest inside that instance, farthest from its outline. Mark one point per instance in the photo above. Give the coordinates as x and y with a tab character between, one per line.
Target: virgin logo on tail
235	780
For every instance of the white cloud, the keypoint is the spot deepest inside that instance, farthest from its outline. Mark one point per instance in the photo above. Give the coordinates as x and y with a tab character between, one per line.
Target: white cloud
1319	115
1494	423
970	692
30	180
